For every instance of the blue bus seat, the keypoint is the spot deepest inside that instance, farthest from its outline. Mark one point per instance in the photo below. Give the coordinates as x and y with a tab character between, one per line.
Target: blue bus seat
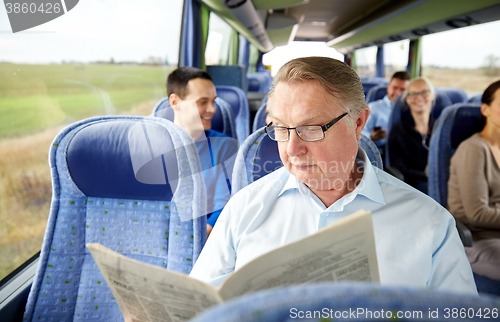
370	82
259	82
399	107
259	156
260	117
112	179
456	95
237	99
346	301
457	123
229	75
222	121
376	93
476	98
372	151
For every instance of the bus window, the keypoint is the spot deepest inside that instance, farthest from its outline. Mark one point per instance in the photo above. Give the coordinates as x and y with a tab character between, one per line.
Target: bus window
100	58
283	54
366	61
219	35
467	58
395	57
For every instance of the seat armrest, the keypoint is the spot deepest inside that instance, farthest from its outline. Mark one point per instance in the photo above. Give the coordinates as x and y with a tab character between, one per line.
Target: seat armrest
465	234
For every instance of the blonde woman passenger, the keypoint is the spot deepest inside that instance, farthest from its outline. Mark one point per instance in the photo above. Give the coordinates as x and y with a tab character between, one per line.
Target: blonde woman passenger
409	139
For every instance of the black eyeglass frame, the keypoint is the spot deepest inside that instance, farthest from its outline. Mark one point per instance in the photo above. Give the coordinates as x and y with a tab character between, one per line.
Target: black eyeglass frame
323	127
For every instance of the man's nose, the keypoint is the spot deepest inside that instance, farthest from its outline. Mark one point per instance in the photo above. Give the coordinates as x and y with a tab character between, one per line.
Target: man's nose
295	145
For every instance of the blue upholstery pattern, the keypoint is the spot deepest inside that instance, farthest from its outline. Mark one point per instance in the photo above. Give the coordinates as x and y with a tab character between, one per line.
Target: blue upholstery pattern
329	301
259	156
376	93
111	179
229	75
222	121
237	99
457	123
260	117
456	95
399	107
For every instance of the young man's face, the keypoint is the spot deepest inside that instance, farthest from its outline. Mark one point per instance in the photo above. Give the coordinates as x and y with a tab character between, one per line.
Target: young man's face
396	87
202	91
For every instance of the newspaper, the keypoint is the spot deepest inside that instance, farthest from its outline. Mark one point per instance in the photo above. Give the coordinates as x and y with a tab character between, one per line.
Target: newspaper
144	292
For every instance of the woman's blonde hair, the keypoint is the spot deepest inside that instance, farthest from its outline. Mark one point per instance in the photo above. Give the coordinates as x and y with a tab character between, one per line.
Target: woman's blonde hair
427	83
336	77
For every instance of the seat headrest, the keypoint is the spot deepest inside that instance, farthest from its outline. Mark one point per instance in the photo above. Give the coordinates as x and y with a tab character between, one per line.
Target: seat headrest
232	95
465	124
100	160
267	158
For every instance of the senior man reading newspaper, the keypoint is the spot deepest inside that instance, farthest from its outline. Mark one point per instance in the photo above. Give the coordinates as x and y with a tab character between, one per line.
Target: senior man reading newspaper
318	114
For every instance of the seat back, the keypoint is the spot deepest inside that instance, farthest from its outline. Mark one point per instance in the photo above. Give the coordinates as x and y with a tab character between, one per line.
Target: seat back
369	83
346	302
260	117
376	93
237	99
476	98
456	95
372	151
259	156
259	82
222	121
229	75
457	123
131	183
399	107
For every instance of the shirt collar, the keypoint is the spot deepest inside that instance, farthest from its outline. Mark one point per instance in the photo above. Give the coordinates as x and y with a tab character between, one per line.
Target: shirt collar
368	187
387	100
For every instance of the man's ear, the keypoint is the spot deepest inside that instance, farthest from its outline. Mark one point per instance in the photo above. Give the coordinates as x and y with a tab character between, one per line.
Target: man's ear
174	99
361	121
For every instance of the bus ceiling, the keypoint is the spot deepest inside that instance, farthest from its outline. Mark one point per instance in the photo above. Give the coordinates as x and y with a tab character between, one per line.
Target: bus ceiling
271	23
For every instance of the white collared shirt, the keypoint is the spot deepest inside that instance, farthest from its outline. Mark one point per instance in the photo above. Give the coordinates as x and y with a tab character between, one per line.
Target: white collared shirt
380	111
416	240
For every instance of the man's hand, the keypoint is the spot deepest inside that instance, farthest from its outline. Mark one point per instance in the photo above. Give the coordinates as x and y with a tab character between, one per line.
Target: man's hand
209	230
378	133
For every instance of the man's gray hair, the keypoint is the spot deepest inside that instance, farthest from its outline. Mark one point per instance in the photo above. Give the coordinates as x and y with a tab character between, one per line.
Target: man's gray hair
336	77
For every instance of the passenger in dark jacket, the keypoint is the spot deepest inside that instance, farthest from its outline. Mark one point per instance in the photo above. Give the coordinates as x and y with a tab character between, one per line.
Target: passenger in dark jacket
409	139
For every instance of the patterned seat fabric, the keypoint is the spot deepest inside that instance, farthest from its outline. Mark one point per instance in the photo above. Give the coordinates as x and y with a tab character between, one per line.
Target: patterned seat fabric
330	301
259	156
133	184
222	121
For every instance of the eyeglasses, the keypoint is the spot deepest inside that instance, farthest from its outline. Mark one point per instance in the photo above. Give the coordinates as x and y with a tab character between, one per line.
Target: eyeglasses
414	95
308	133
